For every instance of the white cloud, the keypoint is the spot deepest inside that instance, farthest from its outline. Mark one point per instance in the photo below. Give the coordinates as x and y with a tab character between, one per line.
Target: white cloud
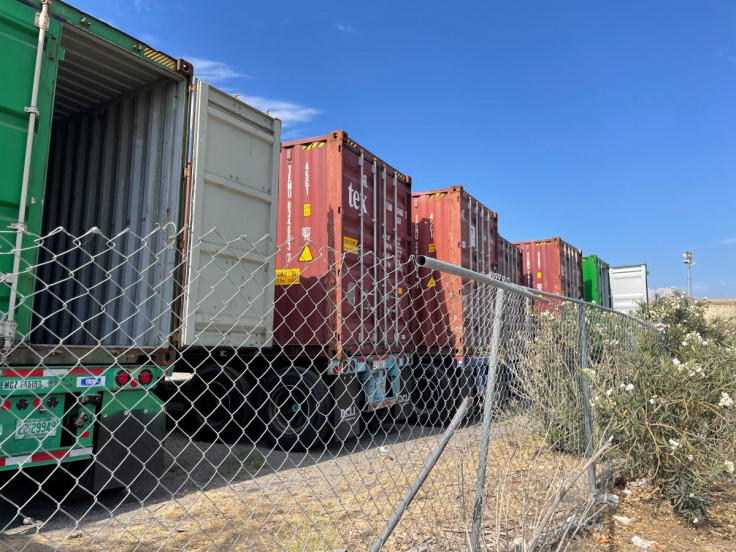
727	241
344	28
289	112
213	71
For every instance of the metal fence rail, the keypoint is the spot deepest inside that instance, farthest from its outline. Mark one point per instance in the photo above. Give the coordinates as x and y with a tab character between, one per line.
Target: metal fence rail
344	402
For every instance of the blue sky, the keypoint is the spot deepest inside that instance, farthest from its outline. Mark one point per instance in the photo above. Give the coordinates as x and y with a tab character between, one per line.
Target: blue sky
610	124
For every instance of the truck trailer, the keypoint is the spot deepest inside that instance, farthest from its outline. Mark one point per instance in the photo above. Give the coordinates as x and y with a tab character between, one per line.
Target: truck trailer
451	322
101	263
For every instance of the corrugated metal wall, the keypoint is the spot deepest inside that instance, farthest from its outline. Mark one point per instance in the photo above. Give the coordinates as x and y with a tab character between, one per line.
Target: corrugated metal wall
117	168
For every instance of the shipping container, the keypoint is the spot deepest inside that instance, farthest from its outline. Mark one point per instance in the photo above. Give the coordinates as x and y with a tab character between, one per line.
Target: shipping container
596	281
94	187
452	226
629	287
510	261
342	269
553	266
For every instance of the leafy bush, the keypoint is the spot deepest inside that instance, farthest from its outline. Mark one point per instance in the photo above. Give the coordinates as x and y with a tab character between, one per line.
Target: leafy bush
673	414
666	397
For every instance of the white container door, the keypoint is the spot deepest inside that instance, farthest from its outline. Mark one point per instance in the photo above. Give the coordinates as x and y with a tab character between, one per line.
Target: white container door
229	293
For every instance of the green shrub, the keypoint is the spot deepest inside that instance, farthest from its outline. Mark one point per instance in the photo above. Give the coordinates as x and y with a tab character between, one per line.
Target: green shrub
673	415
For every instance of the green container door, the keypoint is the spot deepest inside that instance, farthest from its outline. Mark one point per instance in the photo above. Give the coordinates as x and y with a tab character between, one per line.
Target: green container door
596	283
18	44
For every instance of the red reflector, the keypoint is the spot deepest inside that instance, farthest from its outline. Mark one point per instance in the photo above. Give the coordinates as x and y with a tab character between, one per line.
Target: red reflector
6	405
2	462
36	403
145	377
84	435
122	378
44	456
133	383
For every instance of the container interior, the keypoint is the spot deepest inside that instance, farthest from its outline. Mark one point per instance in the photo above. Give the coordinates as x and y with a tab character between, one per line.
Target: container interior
115	177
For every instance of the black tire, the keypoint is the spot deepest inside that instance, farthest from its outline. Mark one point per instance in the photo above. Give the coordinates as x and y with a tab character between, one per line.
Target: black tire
216	405
432	398
295	409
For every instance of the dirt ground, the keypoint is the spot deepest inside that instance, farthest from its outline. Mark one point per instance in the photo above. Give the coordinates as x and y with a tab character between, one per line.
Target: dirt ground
216	497
649	517
240	497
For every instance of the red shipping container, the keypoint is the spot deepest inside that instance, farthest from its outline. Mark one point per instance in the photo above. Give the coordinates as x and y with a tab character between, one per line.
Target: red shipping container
553	266
451	226
343	233
510	261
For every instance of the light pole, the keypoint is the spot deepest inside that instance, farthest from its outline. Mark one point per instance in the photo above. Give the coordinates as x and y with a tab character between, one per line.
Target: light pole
688	260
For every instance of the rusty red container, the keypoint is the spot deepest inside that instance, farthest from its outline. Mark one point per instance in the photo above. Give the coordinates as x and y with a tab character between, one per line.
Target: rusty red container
510	261
451	226
343	235
553	266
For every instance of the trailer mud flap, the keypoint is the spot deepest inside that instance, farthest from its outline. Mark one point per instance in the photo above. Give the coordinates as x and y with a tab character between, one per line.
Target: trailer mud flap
129	448
403	408
346	391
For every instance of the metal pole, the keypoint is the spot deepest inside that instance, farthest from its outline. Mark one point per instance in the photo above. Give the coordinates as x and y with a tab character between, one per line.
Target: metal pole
426	469
585	386
480	482
434	264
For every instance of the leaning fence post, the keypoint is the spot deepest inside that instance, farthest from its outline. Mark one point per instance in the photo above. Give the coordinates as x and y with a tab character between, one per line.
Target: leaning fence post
585	386
480	482
423	474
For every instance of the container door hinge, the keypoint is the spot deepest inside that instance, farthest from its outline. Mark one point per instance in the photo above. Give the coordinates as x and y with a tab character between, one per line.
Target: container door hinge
38	22
8	278
31	109
7	331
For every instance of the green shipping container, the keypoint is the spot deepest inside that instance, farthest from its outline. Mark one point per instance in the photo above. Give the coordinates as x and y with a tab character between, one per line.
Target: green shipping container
596	282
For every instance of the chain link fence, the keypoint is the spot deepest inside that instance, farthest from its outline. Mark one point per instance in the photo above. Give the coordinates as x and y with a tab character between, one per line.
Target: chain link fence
172	391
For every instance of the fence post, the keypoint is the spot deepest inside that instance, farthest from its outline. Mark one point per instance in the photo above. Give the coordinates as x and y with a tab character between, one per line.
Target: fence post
480	482
585	386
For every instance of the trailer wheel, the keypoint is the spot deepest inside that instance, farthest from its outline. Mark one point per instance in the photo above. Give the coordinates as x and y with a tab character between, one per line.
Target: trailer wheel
295	409
217	406
431	396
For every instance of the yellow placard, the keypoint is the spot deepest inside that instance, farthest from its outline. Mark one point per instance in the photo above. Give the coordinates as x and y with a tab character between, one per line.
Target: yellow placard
431	282
306	254
539	275
307	209
431	248
349	245
401	290
287	276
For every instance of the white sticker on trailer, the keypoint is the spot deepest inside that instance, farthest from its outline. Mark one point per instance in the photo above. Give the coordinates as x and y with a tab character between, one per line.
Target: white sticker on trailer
91	381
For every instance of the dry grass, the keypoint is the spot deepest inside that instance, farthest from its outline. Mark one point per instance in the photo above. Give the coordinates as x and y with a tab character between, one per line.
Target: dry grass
343	503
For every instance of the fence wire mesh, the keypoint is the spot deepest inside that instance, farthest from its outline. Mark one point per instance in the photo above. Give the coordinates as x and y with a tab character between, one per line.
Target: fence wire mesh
172	391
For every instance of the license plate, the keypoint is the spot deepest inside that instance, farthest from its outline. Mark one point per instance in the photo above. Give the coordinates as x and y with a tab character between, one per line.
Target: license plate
36	429
25	384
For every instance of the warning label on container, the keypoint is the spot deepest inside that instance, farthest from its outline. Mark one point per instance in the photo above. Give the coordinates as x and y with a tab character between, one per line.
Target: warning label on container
539	275
349	245
306	254
431	282
307	209
431	248
287	276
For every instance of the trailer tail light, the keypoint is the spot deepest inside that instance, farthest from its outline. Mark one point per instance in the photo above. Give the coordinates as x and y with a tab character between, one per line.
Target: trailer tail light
6	405
122	378
145	377
36	403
